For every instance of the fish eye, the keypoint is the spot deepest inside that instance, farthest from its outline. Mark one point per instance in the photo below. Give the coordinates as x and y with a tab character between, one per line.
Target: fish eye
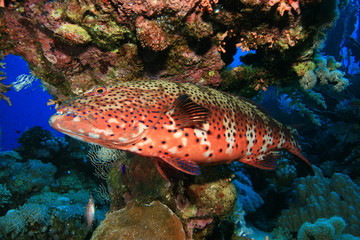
101	90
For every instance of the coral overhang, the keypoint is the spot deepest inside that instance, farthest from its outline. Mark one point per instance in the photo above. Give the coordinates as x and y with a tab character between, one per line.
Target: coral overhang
75	44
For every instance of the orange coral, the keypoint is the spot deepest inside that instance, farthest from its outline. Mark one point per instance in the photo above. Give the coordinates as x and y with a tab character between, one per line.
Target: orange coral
261	84
206	5
286	6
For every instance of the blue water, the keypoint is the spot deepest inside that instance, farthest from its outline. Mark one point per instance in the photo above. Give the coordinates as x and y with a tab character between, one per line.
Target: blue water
28	108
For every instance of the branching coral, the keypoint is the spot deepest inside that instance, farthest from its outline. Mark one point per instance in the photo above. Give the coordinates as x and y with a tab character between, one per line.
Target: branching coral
4	87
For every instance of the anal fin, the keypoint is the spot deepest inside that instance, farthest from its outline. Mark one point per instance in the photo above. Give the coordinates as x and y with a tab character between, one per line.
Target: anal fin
269	162
182	165
166	171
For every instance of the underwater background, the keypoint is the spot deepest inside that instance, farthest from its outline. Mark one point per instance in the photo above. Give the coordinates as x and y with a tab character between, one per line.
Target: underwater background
50	183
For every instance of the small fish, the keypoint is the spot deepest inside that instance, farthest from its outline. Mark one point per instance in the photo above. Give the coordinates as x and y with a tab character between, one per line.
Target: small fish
182	124
90	211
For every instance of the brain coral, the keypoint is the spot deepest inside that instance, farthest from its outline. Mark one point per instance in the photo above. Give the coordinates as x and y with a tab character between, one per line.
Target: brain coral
320	197
153	221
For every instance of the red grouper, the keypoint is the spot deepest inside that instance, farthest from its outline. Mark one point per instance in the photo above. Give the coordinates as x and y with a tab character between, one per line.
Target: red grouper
182	124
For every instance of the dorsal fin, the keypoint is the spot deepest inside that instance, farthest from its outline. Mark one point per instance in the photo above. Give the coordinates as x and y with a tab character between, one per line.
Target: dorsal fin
187	113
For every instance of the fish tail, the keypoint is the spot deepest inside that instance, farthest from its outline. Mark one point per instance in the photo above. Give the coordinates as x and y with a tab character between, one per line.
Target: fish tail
298	154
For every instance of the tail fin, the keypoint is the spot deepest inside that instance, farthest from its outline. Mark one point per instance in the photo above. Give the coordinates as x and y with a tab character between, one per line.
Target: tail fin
298	154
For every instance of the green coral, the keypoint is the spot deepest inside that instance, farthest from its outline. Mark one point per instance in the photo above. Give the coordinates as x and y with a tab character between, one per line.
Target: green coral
302	67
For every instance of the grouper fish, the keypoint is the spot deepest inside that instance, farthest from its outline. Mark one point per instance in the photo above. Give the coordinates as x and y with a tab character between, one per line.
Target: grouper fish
183	124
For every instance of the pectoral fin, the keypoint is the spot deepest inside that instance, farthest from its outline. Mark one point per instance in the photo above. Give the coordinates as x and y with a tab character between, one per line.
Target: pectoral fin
187	113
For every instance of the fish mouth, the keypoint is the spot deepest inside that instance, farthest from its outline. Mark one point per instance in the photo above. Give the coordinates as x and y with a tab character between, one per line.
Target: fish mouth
76	116
81	128
70	123
78	129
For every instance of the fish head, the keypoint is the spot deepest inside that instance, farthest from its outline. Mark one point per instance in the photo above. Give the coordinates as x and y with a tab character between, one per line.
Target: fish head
111	116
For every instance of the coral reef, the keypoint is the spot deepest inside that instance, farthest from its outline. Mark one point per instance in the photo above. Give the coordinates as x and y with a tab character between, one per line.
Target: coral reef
48	215
154	220
38	202
41	175
103	159
337	113
320	197
76	44
38	143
